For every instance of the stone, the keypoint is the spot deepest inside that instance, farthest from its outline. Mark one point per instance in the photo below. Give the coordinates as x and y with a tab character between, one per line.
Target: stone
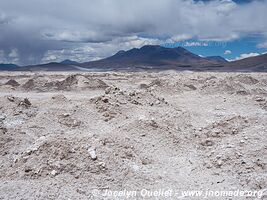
102	166
54	173
259	99
92	153
66	115
2	117
207	143
25	103
11	98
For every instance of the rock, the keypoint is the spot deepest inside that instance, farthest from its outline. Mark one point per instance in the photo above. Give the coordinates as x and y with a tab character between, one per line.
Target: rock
105	100
68	121
102	166
65	115
54	173
11	98
37	144
135	102
219	163
242	92
146	161
157	102
2	117
154	124
234	131
92	153
259	99
143	86
28	169
207	143
108	90
192	87
59	97
132	94
25	103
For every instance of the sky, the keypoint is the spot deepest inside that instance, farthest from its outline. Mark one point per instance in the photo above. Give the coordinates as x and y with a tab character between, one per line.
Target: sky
42	31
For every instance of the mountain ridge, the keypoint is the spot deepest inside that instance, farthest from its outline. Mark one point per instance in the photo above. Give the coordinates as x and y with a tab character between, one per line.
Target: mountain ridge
152	57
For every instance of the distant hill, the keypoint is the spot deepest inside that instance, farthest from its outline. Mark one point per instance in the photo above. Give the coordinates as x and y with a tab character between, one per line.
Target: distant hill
256	64
49	67
153	57
8	67
69	62
217	59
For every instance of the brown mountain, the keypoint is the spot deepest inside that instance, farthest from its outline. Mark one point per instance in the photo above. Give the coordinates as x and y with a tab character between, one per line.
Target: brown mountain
152	56
256	64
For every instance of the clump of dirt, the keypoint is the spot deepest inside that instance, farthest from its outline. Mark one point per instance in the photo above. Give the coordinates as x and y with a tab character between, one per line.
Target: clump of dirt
220	129
17	111
66	84
115	100
157	82
20	101
143	86
72	82
154	84
262	102
25	102
223	86
29	85
190	86
68	121
12	82
59	98
245	79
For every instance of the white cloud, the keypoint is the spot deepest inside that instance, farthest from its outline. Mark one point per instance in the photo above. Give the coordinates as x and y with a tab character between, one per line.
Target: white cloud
13	56
262	45
35	27
178	38
2	57
227	52
245	55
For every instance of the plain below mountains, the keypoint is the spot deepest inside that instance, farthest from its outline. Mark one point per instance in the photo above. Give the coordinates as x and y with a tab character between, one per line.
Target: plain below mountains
154	57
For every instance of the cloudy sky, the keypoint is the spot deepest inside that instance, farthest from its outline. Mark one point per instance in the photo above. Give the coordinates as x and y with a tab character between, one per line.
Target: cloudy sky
39	31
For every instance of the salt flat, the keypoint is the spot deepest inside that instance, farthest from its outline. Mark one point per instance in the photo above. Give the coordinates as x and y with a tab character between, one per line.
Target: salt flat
166	130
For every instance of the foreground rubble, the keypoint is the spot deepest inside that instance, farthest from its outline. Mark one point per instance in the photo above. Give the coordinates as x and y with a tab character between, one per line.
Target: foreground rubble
63	136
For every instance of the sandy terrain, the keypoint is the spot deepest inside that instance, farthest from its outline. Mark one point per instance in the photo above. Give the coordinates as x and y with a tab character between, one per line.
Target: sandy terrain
75	136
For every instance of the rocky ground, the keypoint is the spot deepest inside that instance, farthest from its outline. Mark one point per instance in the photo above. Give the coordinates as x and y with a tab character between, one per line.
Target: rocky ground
74	135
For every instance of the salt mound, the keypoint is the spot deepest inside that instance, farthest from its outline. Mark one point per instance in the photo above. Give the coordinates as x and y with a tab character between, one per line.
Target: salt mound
67	84
72	82
248	80
29	85
13	83
90	83
226	85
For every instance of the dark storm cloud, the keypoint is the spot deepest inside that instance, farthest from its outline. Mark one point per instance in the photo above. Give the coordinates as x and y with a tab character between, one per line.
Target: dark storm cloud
44	30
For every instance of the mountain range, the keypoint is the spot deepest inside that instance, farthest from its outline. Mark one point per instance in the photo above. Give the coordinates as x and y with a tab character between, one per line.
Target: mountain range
152	57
